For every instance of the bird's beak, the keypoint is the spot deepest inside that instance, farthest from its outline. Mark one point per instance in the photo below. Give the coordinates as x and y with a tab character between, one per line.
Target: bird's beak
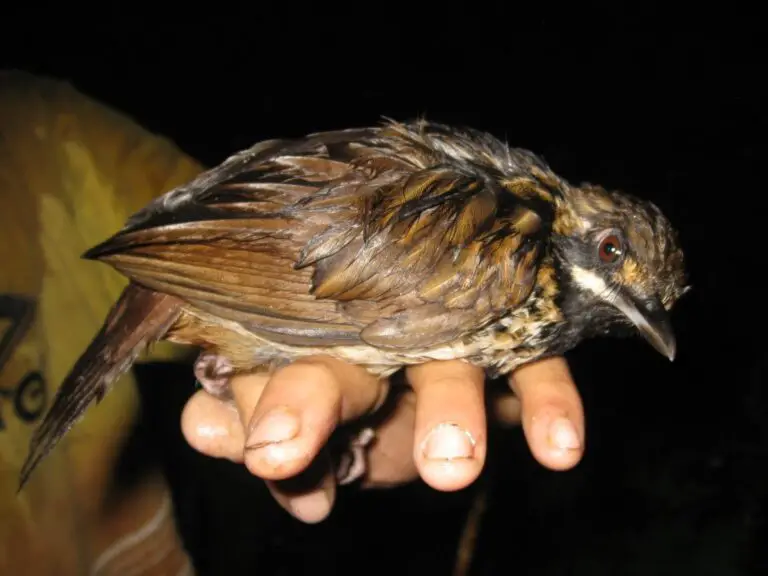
653	322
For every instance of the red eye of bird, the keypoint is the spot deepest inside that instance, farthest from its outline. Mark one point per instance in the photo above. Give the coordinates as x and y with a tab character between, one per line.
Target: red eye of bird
610	249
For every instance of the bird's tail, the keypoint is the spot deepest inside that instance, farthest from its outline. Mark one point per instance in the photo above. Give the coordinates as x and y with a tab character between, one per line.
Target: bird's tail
139	317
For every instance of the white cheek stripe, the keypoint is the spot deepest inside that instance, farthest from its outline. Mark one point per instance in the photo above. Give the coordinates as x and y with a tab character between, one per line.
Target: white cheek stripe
590	282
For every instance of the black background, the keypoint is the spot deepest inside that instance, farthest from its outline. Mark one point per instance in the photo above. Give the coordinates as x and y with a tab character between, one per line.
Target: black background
665	105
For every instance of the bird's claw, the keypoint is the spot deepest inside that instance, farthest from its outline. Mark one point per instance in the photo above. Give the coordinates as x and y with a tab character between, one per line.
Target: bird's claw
352	464
214	372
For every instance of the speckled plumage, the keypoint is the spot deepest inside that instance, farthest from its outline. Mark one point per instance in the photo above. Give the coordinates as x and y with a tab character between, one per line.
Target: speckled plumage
384	247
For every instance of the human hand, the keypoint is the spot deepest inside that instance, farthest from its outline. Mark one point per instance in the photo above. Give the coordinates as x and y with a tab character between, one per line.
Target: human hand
436	429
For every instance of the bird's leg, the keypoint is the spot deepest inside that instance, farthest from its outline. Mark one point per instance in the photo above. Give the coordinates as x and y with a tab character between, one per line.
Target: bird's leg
352	464
214	372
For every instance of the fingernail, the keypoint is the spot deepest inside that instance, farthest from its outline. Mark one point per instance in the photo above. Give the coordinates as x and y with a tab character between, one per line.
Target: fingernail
311	507
562	435
277	425
448	442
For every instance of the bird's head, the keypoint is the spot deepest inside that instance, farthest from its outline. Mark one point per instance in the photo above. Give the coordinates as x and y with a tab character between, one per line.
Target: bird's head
620	265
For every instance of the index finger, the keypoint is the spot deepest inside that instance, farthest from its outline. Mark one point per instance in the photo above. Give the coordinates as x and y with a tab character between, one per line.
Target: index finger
290	420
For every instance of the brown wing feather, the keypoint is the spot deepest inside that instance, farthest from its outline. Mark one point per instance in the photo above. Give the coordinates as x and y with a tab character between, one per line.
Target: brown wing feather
401	236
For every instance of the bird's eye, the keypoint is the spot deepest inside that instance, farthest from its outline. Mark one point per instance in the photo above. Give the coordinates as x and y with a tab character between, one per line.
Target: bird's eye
610	249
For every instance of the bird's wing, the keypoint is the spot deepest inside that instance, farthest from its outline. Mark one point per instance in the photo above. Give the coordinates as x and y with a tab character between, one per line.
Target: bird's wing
344	237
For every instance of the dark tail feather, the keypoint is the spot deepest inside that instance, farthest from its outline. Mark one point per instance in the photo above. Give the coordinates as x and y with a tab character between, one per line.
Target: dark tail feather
139	317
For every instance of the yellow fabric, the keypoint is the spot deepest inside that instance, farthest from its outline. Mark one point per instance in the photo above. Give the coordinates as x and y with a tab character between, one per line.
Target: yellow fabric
71	172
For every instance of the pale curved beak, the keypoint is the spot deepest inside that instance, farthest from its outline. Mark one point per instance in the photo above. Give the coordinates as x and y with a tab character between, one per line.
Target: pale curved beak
653	322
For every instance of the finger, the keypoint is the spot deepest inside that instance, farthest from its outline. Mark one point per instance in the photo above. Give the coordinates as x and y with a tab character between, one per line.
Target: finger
301	404
213	427
450	426
552	412
390	459
310	495
505	408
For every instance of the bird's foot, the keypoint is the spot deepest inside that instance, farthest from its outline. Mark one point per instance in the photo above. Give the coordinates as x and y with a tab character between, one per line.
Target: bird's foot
214	372
352	464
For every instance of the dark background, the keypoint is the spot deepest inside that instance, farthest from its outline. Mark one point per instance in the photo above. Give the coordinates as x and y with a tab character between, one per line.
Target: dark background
665	105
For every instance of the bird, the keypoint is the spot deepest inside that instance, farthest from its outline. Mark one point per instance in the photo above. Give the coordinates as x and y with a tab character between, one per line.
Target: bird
385	246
